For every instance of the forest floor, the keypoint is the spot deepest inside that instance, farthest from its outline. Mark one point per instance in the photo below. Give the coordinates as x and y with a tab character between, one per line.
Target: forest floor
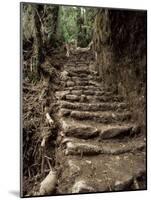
39	99
94	144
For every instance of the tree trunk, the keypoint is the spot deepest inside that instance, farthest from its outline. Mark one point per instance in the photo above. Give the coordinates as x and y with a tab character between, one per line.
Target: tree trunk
55	18
37	53
79	25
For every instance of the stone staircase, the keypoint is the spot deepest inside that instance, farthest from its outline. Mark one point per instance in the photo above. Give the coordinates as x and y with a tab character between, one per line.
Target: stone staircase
99	148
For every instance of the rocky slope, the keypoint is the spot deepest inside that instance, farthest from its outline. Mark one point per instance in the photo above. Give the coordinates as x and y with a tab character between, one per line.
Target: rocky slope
99	147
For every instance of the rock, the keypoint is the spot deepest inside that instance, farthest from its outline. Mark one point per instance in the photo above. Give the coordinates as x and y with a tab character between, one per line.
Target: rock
82	187
79	148
61	94
82	83
67	139
89	162
73	168
102	117
81	132
124	183
89	92
121	148
77	92
76	78
83	98
83	106
64	112
64	75
48	185
72	97
113	132
70	83
82	147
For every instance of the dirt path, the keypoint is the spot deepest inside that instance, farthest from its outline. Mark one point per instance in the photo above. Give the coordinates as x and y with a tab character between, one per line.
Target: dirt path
99	147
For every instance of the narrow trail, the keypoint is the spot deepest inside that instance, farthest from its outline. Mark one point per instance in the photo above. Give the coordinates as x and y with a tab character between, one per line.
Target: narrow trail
99	148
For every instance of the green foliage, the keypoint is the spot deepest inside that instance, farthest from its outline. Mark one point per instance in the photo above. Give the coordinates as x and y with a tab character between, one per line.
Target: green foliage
67	28
76	23
27	22
85	21
59	24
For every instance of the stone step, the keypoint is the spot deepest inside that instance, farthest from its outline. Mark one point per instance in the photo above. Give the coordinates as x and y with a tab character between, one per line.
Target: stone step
81	83
88	78
108	98
83	70
97	93
92	99
91	92
61	94
87	87
76	92
72	97
78	83
84	147
101	173
102	117
76	78
82	74
78	68
94	106
82	132
88	92
89	129
82	63
69	64
76	64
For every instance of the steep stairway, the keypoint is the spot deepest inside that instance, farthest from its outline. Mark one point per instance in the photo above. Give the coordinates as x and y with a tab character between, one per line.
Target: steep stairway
99	148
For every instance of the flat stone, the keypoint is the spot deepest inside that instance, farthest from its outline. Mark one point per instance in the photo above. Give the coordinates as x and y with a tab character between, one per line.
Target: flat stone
122	184
87	87
81	148
61	94
121	148
64	112
82	187
76	78
81	132
108	98
88	129
82	83
102	117
72	97
93	92
70	83
91	148
76	92
83	70
93	106
112	132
